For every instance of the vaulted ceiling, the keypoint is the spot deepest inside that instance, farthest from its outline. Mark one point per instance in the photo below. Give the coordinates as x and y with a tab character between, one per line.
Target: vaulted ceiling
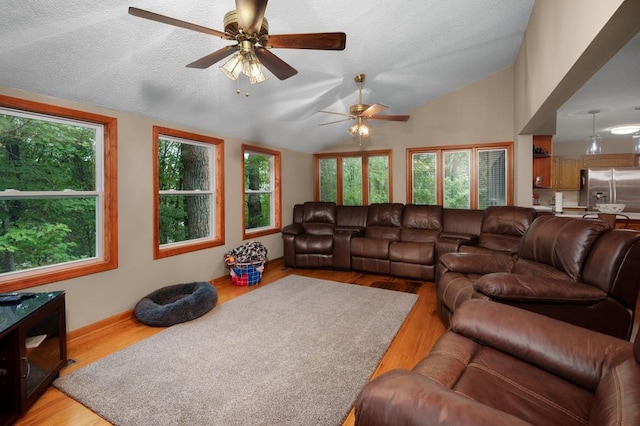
412	52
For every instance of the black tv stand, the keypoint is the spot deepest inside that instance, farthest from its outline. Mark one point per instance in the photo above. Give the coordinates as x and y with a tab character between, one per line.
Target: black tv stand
33	350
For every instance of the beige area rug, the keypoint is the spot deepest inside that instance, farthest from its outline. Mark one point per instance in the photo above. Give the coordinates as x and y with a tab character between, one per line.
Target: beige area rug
294	352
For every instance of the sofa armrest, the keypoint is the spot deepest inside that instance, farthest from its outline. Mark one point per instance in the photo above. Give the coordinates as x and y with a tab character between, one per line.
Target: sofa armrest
401	397
574	353
477	263
524	288
293	229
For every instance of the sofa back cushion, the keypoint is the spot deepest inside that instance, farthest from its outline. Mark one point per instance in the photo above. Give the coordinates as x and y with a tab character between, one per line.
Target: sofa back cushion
385	214
618	275
507	220
561	242
319	218
462	221
352	216
421	223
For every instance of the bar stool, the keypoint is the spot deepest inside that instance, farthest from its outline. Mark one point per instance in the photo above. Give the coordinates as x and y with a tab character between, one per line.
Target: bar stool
609	218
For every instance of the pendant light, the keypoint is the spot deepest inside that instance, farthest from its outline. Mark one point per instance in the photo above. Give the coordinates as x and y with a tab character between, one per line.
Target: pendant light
594	142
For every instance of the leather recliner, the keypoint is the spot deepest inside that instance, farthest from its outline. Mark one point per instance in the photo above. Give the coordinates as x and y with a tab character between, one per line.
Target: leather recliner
308	241
577	270
501	365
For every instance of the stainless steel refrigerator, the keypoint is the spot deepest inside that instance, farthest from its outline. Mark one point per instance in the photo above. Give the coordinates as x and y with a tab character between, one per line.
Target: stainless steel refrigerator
610	185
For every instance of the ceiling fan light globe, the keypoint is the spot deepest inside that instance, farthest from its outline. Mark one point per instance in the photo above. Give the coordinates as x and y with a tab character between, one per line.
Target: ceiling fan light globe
233	67
257	79
359	129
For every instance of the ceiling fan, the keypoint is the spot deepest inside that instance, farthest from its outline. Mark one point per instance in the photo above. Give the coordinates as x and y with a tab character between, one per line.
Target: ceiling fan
362	112
248	26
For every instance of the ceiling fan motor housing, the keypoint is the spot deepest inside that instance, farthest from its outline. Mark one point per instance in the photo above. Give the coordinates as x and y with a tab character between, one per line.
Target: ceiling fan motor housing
358	109
231	28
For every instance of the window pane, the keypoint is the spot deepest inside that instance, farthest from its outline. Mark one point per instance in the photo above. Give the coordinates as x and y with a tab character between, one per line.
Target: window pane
257	211
424	178
39	154
329	179
352	181
492	178
378	179
457	176
183	166
45	232
257	172
184	217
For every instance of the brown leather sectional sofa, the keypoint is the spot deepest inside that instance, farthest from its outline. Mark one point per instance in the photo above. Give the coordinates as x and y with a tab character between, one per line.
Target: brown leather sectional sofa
577	270
397	239
501	365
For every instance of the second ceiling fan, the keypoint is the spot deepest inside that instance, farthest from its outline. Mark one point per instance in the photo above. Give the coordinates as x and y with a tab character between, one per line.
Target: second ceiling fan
363	112
248	26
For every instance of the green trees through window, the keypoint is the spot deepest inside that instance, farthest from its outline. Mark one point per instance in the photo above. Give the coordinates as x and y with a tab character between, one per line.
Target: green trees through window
261	196
353	178
188	181
57	191
49	201
475	176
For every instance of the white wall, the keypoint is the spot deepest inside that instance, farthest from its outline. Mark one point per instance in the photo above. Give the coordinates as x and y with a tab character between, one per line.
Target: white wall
99	296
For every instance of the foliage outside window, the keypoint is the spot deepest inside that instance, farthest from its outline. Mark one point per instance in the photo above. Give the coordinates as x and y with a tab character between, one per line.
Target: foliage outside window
471	176
57	193
188	182
353	178
261	196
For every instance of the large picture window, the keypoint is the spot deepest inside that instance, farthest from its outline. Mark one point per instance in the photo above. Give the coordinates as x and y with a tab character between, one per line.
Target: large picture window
188	181
261	197
353	178
57	193
470	176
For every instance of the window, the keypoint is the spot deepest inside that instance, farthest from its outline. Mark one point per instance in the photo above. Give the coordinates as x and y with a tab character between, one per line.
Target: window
261	197
353	178
188	182
472	176
57	193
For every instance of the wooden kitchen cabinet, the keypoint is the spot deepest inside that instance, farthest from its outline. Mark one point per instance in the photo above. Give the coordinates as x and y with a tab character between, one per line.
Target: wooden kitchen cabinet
609	160
542	162
566	173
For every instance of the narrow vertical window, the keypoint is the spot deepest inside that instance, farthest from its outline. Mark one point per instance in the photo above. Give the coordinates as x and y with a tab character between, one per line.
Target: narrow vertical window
457	179
492	178
328	179
188	182
261	196
424	174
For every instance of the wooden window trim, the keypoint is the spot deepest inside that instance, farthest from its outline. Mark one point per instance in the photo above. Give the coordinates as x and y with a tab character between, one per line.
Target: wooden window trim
277	192
218	202
26	279
508	145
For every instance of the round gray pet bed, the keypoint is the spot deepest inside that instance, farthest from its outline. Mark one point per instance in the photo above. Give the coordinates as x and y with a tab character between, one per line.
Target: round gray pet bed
176	303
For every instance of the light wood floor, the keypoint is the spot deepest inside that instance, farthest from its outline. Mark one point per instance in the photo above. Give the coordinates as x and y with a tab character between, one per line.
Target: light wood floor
414	340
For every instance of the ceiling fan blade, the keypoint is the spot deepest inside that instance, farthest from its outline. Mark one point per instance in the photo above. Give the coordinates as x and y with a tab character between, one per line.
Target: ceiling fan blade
334	122
140	13
339	113
277	66
373	110
318	41
250	14
212	58
390	117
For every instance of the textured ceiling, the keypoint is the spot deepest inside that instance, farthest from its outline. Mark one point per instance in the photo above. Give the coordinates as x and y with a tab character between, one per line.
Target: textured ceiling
412	52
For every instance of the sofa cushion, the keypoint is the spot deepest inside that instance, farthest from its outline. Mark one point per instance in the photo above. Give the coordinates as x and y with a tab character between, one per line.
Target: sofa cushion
320	212
561	242
313	244
385	214
419	253
377	248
